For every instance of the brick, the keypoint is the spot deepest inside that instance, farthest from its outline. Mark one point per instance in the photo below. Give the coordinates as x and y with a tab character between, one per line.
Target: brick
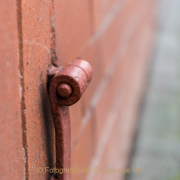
100	10
100	53
117	149
11	148
107	154
72	26
94	56
76	120
82	154
117	156
119	144
102	107
107	98
77	111
122	26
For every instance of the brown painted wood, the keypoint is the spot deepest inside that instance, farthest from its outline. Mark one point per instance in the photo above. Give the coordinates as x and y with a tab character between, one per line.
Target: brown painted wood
35	58
11	143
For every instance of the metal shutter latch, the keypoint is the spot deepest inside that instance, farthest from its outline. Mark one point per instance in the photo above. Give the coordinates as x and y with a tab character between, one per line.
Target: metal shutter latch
66	86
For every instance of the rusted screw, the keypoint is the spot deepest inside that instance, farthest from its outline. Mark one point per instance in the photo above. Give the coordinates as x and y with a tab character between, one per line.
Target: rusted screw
64	90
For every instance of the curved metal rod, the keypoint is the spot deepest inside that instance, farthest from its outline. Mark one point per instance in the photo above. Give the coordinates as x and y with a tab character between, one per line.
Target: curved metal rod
66	86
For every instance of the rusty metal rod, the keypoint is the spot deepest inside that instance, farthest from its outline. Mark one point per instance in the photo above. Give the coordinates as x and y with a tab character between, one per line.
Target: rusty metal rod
66	86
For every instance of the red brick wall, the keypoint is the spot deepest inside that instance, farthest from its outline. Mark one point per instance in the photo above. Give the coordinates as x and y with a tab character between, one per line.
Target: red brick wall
115	37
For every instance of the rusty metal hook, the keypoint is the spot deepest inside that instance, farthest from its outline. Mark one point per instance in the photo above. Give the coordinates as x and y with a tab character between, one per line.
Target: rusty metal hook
66	86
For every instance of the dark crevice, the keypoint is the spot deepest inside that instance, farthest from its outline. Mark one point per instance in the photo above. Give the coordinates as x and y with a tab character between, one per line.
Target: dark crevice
47	124
54	60
21	81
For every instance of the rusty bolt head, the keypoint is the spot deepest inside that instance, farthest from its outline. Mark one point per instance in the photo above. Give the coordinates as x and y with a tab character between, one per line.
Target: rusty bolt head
64	91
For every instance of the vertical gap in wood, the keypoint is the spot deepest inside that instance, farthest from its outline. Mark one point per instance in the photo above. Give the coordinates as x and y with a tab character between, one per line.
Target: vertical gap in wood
21	89
54	60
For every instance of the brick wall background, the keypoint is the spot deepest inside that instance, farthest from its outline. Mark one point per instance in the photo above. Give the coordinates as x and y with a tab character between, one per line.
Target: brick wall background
115	37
